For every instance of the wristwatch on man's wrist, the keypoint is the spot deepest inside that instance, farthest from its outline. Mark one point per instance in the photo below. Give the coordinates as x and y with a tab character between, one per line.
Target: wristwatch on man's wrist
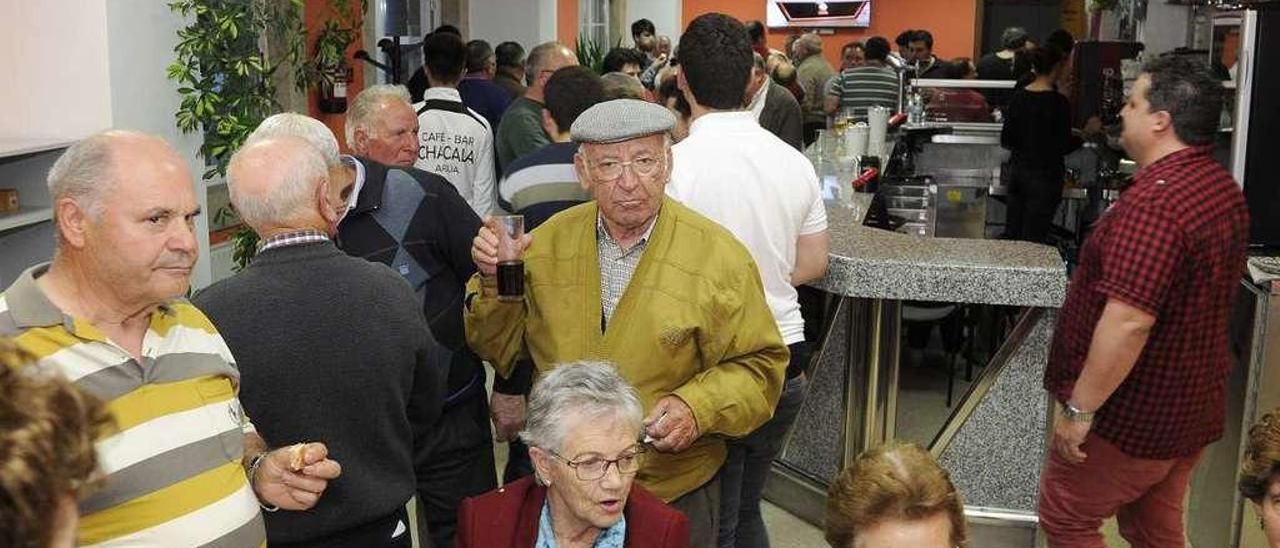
252	473
1074	414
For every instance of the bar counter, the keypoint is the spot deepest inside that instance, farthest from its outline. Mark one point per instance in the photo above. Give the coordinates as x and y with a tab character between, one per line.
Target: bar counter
871	263
992	442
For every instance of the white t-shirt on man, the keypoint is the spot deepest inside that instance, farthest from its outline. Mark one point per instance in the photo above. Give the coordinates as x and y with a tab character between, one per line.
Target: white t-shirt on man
759	188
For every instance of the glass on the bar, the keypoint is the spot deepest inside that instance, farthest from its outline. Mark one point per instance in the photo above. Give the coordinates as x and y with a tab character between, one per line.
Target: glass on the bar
510	257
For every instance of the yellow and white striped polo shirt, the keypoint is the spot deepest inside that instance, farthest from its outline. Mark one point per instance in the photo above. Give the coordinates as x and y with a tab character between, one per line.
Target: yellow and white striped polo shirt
173	461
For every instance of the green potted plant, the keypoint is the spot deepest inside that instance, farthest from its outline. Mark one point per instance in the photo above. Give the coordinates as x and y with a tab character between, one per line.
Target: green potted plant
225	78
244	242
328	68
590	53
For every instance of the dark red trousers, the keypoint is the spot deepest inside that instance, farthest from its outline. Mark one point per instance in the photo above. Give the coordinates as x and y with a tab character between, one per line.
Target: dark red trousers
1145	496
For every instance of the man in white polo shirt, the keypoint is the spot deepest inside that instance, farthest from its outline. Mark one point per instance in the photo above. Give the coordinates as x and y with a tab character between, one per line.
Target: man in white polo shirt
766	193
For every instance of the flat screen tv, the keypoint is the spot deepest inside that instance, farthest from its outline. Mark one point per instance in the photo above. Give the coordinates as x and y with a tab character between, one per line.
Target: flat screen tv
832	13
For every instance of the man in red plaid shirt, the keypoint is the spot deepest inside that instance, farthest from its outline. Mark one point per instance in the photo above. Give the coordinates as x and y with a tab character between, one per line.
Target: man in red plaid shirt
1140	359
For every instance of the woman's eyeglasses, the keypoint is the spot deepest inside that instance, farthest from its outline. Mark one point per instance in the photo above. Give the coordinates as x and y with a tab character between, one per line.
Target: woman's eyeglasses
593	468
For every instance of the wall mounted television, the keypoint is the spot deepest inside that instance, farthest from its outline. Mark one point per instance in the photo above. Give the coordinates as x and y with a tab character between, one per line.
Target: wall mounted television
832	13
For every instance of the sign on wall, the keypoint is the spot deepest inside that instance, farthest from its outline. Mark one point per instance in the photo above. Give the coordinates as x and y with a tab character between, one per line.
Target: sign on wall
833	13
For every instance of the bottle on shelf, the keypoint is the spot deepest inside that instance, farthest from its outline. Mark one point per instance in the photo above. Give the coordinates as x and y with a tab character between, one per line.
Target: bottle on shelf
915	108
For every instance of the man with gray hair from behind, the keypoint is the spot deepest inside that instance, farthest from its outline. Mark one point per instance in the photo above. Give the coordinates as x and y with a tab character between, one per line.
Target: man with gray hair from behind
620	85
520	131
583	432
812	74
419	225
372	386
343	176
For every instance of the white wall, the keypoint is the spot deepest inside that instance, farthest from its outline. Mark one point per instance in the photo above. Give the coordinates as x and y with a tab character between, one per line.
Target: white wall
1165	28
53	62
546	21
665	15
140	37
528	22
53	85
532	22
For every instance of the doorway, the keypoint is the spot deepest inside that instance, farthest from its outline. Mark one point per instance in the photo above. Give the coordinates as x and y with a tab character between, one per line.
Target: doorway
1039	17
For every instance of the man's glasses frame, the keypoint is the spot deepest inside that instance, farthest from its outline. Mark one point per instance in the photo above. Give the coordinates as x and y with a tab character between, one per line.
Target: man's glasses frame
646	167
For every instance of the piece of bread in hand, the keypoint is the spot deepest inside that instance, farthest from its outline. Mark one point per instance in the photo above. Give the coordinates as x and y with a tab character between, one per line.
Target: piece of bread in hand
297	459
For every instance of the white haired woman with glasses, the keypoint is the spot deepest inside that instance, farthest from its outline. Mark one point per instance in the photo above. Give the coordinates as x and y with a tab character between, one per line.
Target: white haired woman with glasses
583	430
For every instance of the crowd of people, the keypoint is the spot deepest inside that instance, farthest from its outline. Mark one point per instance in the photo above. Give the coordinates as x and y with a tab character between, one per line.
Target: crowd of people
333	393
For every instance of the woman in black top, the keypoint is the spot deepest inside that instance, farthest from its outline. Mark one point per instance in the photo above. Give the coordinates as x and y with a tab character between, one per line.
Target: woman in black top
1037	130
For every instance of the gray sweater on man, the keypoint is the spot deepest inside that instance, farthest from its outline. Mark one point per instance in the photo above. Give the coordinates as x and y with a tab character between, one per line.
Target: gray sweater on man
333	349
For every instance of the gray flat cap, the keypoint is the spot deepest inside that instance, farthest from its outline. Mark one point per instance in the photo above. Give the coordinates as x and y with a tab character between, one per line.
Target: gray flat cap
621	120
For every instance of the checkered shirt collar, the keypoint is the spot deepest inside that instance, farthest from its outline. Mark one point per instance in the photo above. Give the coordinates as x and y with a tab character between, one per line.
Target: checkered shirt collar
297	237
603	233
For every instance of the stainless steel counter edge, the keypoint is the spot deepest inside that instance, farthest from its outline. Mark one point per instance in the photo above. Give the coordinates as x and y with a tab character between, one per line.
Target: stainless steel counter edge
878	264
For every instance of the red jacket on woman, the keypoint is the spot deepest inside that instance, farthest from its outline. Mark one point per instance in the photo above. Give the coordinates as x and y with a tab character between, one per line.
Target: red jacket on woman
508	517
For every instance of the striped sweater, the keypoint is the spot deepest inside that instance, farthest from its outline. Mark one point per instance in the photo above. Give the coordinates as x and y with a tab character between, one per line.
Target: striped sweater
172	461
542	183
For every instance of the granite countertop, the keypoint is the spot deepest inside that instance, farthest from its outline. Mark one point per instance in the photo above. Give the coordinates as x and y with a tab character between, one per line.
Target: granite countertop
878	264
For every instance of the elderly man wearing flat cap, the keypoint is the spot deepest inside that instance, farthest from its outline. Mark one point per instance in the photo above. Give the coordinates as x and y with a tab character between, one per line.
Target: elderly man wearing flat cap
635	278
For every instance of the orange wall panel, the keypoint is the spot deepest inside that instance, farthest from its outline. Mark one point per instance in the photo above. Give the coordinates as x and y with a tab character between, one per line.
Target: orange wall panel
952	22
567	22
315	14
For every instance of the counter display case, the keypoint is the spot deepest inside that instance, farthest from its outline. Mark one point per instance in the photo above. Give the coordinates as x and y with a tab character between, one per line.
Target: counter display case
962	101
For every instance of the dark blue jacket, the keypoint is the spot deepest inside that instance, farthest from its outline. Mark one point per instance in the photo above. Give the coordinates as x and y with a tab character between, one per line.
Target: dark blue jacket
483	96
416	223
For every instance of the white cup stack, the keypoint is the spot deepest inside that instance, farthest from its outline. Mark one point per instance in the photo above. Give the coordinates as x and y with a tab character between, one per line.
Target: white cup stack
879	128
857	138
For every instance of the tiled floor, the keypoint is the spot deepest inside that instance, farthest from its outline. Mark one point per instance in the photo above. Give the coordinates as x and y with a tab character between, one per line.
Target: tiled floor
788	531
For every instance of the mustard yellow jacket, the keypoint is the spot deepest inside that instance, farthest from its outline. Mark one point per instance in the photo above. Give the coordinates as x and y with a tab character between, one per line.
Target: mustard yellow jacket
693	322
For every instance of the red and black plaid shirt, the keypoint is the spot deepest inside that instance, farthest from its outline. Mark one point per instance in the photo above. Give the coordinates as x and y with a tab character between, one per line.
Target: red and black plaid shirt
1173	246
